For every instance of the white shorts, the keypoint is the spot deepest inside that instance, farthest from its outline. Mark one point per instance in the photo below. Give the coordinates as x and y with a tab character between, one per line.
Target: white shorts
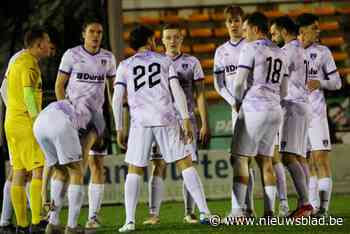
255	133
59	141
155	153
318	134
166	137
294	129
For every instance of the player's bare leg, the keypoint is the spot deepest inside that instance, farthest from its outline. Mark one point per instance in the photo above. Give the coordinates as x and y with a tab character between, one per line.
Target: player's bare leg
269	183
240	184
156	190
325	184
281	182
297	173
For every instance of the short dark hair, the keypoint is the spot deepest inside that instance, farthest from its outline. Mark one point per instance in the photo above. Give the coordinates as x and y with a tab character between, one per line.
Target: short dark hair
285	22
32	35
172	26
259	20
306	19
90	20
233	11
54	35
139	36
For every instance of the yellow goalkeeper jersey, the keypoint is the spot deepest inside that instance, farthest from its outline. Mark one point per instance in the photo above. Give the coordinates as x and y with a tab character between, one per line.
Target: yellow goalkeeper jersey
23	72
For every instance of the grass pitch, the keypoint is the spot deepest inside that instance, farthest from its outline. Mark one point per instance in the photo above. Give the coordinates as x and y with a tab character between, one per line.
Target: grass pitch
112	217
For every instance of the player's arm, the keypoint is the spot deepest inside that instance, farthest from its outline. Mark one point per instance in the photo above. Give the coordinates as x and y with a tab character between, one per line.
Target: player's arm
181	104
110	79
61	81
203	113
245	66
29	77
219	80
120	86
117	106
64	72
3	90
331	80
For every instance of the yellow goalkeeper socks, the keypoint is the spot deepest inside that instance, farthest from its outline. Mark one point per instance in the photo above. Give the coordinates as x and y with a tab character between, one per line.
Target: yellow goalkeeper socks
35	200
18	196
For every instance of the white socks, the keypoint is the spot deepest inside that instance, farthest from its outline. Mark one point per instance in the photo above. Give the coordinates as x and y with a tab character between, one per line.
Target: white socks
131	195
155	196
57	196
194	186
281	182
7	210
299	180
95	193
325	187
239	192
270	198
75	201
188	200
249	198
313	192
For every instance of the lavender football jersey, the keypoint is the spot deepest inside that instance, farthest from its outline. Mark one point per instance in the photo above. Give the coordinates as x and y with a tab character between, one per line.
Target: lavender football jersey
146	76
321	67
88	73
189	70
226	59
297	68
268	67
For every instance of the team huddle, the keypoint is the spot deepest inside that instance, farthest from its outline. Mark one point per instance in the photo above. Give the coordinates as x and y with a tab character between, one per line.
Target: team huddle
274	87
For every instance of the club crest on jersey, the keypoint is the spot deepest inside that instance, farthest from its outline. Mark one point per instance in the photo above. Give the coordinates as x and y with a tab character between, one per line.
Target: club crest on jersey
325	143
313	56
103	62
185	66
283	145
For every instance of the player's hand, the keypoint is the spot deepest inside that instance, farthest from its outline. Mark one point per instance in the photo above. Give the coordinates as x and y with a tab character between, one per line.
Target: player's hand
187	131
121	139
313	85
204	134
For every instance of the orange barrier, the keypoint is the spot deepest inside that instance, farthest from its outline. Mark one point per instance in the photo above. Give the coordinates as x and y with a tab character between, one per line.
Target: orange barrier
218	17
273	14
220	32
344	71
149	20
322	11
207	63
208	80
200	32
328	26
332	41
171	19
339	56
198	17
203	48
